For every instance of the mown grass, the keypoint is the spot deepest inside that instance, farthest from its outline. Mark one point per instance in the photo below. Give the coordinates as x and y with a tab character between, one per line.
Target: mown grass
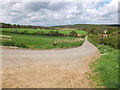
31	31
106	67
42	42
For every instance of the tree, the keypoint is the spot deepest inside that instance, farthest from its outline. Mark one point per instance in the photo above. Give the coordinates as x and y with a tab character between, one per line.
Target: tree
25	32
51	33
15	31
73	34
40	33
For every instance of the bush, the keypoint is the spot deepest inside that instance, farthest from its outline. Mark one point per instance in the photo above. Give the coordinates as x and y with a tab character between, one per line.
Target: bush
24	32
82	36
12	43
39	33
21	45
112	41
54	33
51	33
8	43
15	31
73	34
69	44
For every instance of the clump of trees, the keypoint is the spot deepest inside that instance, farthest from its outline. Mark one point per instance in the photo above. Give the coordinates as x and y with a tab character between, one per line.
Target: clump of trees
50	33
15	31
113	40
54	33
7	25
39	33
24	32
73	34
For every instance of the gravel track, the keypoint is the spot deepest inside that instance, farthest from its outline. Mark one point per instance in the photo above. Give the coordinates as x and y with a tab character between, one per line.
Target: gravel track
65	68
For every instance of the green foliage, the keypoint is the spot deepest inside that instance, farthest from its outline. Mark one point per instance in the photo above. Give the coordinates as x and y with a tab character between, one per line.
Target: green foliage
106	67
24	32
112	40
15	31
8	43
83	36
39	33
114	34
12	43
54	33
46	32
51	33
21	45
73	34
70	44
95	38
94	31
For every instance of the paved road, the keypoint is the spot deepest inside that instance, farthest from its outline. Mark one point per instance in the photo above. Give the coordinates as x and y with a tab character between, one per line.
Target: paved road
48	68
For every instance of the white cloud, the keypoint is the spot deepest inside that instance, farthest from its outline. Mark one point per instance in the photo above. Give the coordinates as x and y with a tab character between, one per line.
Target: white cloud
57	13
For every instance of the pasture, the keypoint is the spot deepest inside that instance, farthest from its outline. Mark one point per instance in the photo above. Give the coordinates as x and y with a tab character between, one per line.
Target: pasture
43	42
31	31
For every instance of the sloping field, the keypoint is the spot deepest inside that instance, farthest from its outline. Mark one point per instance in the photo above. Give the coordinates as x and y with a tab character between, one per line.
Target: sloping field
43	42
46	31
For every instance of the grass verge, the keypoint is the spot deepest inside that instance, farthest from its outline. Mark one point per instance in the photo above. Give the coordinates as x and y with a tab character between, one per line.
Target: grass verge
106	67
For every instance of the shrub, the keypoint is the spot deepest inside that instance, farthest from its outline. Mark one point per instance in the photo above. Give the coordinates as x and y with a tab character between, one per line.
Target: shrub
8	43
69	44
62	34
51	33
24	32
112	41
40	33
34	33
21	45
54	33
73	34
12	43
82	36
15	31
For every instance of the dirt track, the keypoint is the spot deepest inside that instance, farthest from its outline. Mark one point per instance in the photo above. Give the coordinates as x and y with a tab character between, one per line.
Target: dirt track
65	68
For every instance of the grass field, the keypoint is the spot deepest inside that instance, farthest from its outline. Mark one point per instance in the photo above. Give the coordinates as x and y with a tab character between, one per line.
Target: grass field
106	67
42	42
46	31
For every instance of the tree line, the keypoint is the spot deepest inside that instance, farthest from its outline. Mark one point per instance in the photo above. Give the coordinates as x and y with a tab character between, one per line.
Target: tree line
50	33
5	25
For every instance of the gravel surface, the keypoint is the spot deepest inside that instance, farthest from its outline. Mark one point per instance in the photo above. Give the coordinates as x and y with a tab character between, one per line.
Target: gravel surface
65	68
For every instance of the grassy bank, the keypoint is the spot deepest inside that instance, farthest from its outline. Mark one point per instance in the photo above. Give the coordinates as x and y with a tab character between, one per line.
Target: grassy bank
41	42
106	67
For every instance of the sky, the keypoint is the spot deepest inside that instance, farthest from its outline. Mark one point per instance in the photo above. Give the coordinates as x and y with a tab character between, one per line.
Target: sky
52	12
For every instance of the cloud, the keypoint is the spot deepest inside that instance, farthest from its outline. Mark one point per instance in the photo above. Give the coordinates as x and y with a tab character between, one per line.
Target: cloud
58	13
35	6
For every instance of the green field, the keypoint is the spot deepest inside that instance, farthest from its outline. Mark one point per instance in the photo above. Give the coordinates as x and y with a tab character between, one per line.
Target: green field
43	42
30	31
